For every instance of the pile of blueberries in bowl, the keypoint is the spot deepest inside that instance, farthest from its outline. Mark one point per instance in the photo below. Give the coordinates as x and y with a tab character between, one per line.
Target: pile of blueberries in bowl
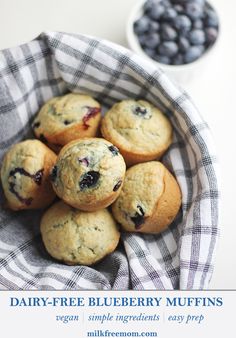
176	32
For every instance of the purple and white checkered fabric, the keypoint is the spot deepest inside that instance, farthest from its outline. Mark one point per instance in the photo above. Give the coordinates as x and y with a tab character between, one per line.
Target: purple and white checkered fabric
180	258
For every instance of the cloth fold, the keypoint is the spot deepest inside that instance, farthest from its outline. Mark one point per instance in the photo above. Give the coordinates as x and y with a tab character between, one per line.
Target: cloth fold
182	257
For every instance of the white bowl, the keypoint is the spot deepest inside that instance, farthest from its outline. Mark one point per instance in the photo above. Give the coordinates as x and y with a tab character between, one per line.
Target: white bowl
180	73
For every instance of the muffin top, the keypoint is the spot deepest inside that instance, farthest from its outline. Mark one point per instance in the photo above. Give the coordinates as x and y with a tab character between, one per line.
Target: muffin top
134	206
24	174
78	237
137	127
63	112
88	171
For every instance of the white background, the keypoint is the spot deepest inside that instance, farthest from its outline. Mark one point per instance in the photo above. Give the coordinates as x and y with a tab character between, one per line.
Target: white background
213	88
218	320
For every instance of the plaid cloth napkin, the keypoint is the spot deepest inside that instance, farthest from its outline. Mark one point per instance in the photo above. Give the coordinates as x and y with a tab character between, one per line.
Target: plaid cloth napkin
180	258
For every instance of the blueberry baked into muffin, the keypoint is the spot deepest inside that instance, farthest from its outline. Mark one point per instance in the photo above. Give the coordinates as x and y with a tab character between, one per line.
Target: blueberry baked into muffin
88	174
78	237
138	129
66	118
25	175
149	200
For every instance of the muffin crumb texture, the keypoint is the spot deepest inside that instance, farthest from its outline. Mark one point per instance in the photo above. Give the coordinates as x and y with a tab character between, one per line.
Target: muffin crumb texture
25	175
88	174
153	204
140	131
78	237
66	118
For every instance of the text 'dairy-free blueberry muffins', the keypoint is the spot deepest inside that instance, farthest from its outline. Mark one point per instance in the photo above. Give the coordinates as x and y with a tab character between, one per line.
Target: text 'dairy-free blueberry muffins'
140	130
78	237
66	118
25	175
88	174
149	200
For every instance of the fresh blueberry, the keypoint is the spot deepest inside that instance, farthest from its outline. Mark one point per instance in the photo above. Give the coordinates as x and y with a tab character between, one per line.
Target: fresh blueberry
162	59
197	37
182	23
183	44
193	53
169	14
178	59
168	33
152	40
89	179
166	3
148	5
198	24
168	48
156	11
211	19
199	2
194	10
142	39
211	35
141	25
179	8
153	26
150	52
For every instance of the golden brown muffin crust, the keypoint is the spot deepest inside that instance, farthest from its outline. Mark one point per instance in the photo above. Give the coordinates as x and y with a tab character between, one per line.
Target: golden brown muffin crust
25	175
138	129
149	200
89	174
78	237
66	118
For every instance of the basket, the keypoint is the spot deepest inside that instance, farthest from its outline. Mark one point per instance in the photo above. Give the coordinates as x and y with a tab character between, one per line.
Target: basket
182	257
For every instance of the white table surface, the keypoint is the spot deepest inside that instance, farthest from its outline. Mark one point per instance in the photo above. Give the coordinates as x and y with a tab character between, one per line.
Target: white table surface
212	89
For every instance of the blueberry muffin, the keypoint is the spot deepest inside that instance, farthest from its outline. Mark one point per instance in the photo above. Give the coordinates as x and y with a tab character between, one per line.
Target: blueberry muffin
66	118
150	199
138	129
78	237
88	174
25	175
